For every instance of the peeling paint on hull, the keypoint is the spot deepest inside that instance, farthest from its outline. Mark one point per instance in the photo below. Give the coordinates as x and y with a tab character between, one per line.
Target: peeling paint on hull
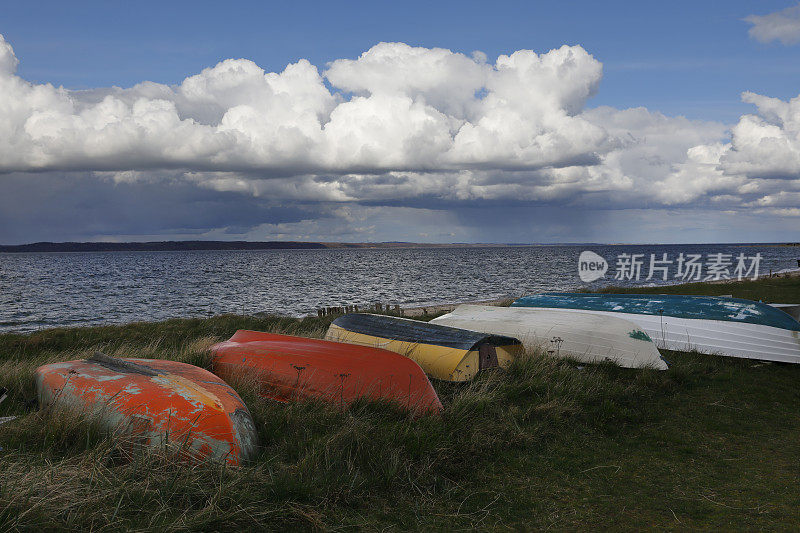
158	403
288	367
719	308
730	327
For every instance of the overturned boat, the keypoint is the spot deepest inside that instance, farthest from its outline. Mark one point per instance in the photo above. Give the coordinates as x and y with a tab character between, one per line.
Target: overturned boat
286	367
156	403
793	310
726	326
586	337
445	353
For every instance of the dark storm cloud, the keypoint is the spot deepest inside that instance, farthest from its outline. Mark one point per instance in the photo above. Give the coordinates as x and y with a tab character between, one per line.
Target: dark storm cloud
63	206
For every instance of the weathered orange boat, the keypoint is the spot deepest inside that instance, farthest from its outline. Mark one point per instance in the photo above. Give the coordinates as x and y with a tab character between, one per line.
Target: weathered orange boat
289	367
157	403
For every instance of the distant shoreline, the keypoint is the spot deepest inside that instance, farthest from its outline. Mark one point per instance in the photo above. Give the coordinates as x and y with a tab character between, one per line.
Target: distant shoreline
183	246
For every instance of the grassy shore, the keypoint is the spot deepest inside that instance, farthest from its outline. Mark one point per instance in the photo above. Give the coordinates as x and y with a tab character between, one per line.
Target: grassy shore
772	290
712	443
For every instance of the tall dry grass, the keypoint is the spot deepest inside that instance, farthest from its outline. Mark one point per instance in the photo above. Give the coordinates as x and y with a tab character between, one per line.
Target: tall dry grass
318	467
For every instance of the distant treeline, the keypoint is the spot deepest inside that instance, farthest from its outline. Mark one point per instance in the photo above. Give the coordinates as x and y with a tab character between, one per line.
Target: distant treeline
161	246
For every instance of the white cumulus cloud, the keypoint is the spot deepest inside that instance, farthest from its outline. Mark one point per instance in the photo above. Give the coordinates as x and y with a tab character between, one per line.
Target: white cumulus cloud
394	108
766	144
783	26
403	126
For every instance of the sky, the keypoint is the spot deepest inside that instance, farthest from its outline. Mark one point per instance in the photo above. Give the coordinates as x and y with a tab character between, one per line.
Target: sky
524	122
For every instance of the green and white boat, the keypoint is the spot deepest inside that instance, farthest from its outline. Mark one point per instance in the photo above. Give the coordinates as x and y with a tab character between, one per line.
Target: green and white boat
719	325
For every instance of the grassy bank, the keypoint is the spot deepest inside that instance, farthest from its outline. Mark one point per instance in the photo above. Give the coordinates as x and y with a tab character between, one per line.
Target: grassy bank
710	443
771	290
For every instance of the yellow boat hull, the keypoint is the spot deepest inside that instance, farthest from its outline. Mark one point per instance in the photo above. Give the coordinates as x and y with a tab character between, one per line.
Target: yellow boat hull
422	342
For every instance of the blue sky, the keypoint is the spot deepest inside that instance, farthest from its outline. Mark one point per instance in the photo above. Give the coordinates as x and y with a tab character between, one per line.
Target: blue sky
726	176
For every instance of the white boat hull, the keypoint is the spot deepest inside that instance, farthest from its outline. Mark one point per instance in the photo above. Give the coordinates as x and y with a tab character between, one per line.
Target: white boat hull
586	337
732	339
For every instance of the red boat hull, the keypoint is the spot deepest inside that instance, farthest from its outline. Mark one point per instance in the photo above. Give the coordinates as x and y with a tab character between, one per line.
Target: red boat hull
289	367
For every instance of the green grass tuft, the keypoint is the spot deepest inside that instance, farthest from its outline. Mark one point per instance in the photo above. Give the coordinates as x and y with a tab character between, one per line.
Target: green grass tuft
771	290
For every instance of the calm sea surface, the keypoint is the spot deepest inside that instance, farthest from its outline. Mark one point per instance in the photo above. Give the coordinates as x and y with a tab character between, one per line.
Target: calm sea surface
42	290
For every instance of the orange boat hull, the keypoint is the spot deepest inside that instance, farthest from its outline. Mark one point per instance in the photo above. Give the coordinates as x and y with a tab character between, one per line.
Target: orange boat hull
289	367
155	402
